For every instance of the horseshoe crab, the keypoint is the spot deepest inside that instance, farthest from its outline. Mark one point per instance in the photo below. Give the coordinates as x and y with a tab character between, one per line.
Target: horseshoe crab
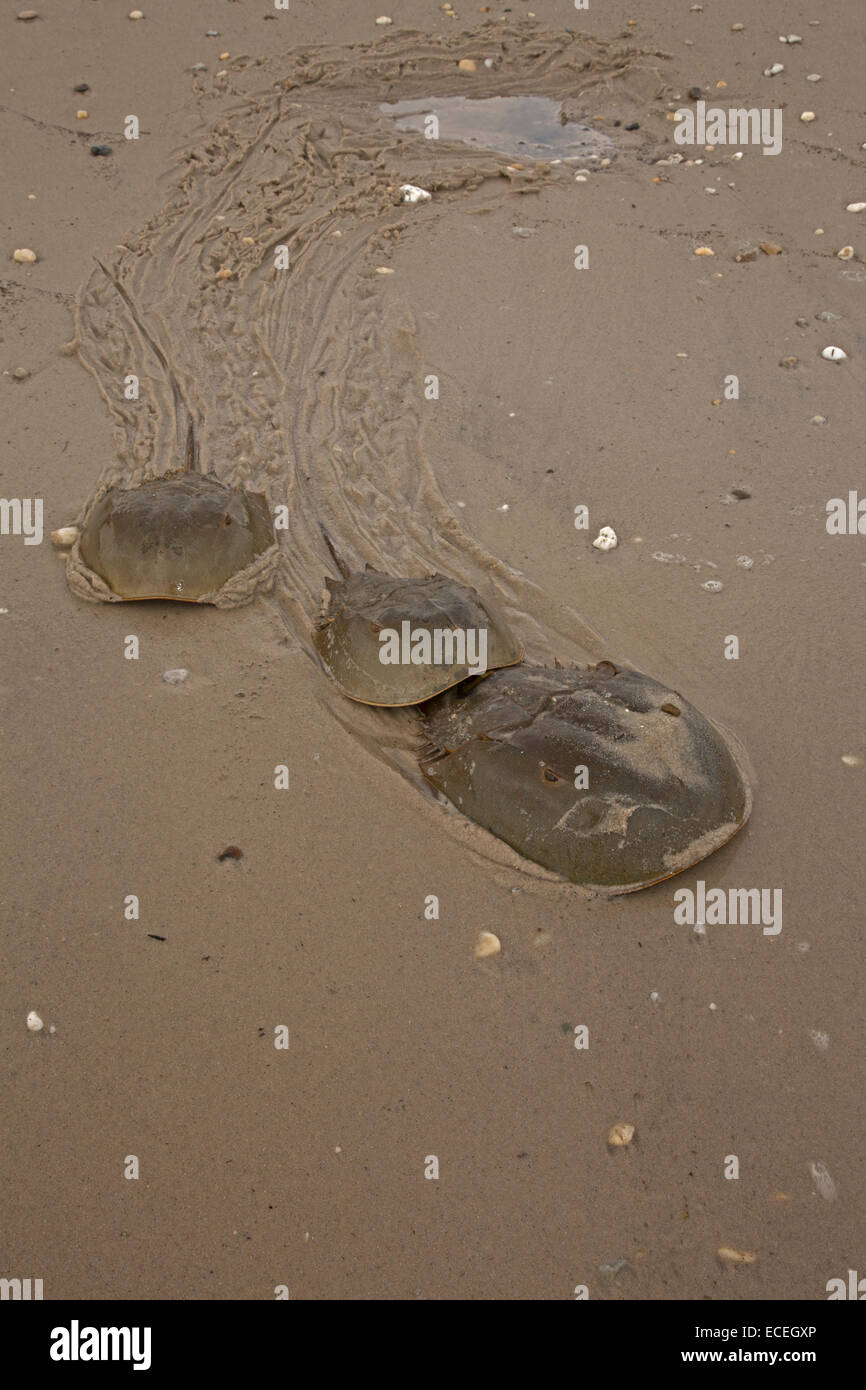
386	641
600	774
185	536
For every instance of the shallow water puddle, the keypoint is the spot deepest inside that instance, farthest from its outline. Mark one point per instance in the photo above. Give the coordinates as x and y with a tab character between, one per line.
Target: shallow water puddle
531	127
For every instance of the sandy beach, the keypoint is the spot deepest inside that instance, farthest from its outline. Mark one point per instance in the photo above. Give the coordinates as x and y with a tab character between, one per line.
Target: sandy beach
282	1069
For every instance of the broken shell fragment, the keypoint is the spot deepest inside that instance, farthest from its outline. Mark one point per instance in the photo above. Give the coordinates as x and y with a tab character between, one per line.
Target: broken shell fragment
606	539
413	194
24	256
34	1022
834	354
620	1136
487	945
729	1255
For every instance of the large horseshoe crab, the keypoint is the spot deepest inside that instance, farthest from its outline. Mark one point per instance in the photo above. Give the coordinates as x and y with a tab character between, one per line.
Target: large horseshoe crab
601	774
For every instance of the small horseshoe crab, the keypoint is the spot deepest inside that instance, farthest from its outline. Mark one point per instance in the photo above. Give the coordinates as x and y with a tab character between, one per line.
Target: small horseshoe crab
600	774
393	642
185	537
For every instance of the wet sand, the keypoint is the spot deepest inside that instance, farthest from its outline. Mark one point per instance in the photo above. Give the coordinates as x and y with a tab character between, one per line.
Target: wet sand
305	1167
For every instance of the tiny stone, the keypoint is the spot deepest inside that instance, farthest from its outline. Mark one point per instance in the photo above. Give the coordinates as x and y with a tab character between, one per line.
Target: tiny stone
224	274
694	93
100	149
729	1255
807	116
136	14
211	33
24	256
20	374
199	67
801	322
834	354
818	420
81	87
856	207
488	62
774	70
64	537
814	77
384	270
770	248
633	125
81	115
704	251
384	19
467	65
34	1022
713	586
741	493
737	28
26	15
175	677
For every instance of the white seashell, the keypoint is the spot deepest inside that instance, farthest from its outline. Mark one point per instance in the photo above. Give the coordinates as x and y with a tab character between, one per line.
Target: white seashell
845	254
413	194
856	207
487	945
713	586
745	562
834	354
606	539
774	69
65	536
807	116
384	19
620	1136
34	1022
824	1184
175	677
24	256
814	77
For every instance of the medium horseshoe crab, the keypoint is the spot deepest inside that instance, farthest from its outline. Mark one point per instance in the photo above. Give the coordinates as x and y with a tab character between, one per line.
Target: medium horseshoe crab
185	536
600	774
393	642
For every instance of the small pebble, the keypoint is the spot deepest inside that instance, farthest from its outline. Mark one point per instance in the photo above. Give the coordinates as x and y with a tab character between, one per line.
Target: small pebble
704	251
774	70
81	87
814	77
856	207
818	420
807	116
34	1022
175	677
488	62
20	374
81	115
745	562
790	38
713	586
821	1040
729	1255
211	33
487	945
789	362
620	1136
136	14
100	149
606	539
24	256
64	537
770	248
384	270
413	194
633	125
737	28
834	354
467	65
224	274
845	254
740	493
802	322
384	19
826	316
27	15
852	760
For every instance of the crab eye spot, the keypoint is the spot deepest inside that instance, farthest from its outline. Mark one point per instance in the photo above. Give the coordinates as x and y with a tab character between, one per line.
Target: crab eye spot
549	776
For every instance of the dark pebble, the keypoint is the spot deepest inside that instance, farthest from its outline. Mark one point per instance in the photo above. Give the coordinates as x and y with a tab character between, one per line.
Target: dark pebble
230	852
695	93
741	493
81	87
100	149
802	323
633	125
